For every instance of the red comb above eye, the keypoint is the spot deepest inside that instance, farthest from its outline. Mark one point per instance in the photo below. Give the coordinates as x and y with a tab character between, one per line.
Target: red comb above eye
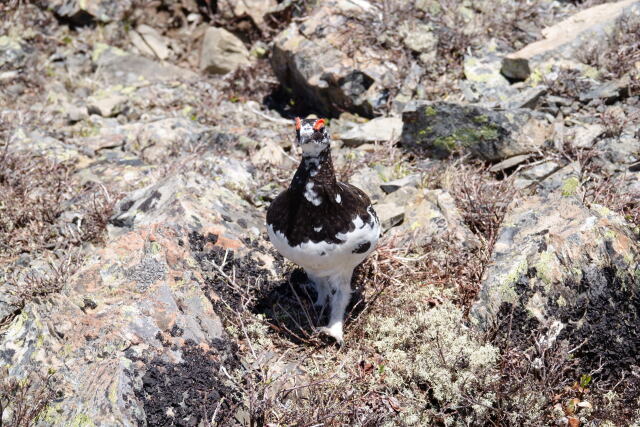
298	123
319	124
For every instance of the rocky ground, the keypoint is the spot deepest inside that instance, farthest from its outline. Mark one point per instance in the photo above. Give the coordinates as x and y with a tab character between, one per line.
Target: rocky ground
141	142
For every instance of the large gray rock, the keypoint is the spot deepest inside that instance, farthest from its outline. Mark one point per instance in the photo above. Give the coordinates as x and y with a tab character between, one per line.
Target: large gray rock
222	52
567	275
565	39
441	128
314	61
150	42
380	129
117	67
84	11
140	309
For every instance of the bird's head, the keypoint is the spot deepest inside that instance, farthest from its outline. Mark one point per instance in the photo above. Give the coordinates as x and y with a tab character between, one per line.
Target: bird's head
312	136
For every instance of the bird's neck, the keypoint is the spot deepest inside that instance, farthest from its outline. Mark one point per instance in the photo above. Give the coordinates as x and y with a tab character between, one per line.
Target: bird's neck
317	169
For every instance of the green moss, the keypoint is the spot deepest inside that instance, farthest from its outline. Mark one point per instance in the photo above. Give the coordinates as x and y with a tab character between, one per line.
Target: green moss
447	143
591	73
505	289
570	186
481	119
81	420
113	393
543	266
610	235
430	111
602	210
465	137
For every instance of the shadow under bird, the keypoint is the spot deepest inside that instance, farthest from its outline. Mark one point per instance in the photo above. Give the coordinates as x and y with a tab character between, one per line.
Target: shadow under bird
325	226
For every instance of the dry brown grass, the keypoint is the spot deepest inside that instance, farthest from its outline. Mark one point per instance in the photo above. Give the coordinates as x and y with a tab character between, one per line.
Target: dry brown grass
621	53
22	401
611	192
34	192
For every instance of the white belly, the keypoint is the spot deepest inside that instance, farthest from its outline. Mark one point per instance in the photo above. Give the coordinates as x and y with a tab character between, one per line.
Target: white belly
326	259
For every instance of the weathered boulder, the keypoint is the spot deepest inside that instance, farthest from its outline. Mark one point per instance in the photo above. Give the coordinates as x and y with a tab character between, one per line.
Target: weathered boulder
441	128
566	38
118	67
134	336
380	129
565	273
420	38
483	80
432	214
158	139
254	9
150	42
189	199
106	104
133	301
118	171
82	12
222	52
314	59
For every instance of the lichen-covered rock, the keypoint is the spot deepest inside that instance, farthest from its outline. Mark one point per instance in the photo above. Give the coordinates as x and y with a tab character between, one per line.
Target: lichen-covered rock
157	140
120	172
562	272
38	143
109	321
312	59
135	328
617	153
188	199
441	129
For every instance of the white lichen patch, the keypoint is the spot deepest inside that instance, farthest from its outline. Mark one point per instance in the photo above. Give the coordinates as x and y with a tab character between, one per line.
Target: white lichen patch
432	346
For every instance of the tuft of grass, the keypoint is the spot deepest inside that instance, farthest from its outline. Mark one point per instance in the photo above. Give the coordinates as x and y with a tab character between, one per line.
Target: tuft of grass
23	401
34	193
621	53
611	192
482	199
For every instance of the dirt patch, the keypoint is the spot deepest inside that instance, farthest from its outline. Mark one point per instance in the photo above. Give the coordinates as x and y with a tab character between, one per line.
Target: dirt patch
193	391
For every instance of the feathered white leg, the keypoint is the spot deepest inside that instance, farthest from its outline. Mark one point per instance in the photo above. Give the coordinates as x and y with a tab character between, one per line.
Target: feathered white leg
341	287
321	285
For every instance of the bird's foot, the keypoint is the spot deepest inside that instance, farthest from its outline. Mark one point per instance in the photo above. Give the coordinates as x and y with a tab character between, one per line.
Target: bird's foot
334	331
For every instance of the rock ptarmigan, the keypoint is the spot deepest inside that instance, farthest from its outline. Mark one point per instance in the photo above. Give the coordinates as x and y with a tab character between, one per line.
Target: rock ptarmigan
325	226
